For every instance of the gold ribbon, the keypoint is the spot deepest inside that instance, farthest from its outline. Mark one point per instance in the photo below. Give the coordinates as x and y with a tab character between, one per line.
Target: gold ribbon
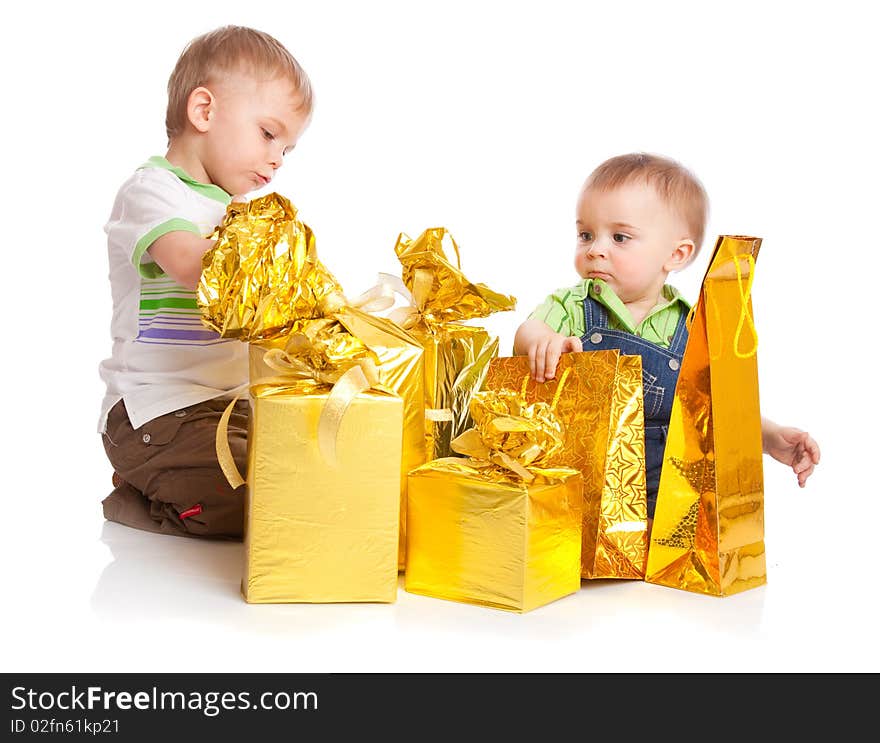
413	314
346	379
537	423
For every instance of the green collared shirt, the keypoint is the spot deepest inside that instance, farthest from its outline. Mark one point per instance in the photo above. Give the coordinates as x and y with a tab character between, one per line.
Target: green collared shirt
564	311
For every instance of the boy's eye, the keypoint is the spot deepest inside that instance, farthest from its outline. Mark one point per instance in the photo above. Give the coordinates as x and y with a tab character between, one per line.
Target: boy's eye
268	135
585	236
619	237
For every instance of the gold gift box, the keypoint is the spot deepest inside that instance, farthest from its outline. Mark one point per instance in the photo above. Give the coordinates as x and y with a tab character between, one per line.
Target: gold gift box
400	367
316	532
601	407
507	545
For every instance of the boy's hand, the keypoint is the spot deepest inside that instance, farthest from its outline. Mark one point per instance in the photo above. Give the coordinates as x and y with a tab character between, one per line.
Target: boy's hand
793	447
544	353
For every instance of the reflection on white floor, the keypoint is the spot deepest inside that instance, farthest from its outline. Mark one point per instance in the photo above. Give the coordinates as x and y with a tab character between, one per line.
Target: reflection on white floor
126	600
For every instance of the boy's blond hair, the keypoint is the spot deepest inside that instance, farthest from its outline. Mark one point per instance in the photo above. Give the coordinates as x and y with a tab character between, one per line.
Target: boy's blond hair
674	183
223	50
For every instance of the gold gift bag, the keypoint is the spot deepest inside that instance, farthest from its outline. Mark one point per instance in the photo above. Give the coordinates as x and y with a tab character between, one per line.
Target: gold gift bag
456	355
602	409
498	527
708	531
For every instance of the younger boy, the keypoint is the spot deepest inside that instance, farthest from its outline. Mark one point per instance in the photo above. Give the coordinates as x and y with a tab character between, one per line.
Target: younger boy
237	104
639	217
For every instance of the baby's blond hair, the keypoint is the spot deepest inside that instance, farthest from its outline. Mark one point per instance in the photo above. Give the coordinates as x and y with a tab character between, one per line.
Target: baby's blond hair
674	183
224	50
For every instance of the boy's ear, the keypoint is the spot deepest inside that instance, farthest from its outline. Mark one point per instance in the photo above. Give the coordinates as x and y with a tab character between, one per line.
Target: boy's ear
680	256
199	108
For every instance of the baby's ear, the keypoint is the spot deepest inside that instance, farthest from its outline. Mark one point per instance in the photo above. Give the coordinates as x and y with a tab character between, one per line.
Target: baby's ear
199	108
680	256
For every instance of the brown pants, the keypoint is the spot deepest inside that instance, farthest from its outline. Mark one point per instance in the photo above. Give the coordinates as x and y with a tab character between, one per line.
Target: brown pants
173	483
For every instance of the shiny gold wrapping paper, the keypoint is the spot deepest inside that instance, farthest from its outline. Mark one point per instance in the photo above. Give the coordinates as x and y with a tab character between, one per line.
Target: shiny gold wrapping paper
708	531
456	355
456	361
601	407
499	526
316	533
401	370
502	544
263	273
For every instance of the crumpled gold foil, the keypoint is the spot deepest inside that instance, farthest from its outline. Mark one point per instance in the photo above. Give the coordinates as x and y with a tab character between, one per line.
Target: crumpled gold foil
456	355
497	527
601	407
708	531
263	273
441	292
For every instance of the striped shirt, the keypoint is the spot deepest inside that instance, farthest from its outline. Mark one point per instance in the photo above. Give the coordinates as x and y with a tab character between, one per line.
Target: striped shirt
163	357
563	311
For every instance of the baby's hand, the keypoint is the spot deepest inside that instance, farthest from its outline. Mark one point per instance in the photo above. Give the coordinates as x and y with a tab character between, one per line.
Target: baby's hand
793	447
544	354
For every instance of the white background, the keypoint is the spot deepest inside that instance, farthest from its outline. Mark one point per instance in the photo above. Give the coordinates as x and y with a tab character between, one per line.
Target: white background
483	118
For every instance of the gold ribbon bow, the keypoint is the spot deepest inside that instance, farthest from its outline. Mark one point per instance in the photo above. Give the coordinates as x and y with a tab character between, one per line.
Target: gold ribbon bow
311	355
512	435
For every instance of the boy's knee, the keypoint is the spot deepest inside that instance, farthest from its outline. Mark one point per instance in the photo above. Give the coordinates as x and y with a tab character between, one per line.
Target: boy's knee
201	503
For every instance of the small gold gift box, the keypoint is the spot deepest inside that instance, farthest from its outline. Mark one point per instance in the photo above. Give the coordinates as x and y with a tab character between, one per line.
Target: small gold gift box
497	527
506	545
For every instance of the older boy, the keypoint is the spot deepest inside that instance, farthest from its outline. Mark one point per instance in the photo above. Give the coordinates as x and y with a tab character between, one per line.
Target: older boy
237	104
639	217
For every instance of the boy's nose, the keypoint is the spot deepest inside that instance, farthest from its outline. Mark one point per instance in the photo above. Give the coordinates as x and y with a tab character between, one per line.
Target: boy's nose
597	247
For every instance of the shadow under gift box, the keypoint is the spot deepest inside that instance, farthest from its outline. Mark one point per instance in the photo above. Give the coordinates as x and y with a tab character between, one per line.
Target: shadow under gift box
507	545
320	532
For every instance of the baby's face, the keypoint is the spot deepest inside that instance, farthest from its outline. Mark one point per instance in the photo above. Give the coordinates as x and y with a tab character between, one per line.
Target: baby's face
254	124
628	237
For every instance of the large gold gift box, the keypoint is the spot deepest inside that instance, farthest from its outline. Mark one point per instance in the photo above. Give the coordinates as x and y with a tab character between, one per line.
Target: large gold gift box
457	355
314	531
601	406
708	532
497	527
400	369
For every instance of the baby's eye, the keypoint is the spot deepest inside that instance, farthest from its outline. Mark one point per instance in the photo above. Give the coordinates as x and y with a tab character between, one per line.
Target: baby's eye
585	236
619	237
268	135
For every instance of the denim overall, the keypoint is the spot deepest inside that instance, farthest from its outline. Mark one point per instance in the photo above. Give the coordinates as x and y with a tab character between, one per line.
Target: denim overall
659	375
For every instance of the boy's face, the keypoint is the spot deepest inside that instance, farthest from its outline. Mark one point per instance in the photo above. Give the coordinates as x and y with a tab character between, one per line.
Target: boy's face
250	126
631	239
